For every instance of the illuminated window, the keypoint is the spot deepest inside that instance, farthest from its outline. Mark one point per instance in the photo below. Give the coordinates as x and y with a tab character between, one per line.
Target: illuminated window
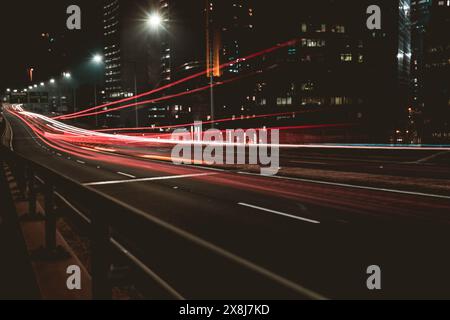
346	57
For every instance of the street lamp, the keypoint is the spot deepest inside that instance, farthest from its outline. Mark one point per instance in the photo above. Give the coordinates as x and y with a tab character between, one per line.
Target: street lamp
97	59
52	81
154	20
68	79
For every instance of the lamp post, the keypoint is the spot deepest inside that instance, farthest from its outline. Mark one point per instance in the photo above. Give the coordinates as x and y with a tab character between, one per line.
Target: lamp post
98	60
68	77
56	91
211	63
134	63
155	21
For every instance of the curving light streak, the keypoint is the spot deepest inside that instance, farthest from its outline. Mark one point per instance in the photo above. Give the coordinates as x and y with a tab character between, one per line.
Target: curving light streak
164	98
270	115
194	76
109	148
39	124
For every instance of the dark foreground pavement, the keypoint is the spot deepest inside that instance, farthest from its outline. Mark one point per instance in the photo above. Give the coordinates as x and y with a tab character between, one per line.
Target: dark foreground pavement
321	236
16	275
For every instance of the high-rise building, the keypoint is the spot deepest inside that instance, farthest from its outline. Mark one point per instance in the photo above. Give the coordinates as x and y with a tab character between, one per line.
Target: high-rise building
237	32
230	36
177	50
420	17
125	51
437	74
339	71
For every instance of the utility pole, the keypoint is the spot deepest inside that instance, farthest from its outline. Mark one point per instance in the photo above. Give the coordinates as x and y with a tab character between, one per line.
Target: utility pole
95	104
210	44
135	94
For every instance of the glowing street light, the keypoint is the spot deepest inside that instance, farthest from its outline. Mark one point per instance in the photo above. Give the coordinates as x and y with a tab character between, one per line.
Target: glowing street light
154	20
67	75
97	59
52	81
42	84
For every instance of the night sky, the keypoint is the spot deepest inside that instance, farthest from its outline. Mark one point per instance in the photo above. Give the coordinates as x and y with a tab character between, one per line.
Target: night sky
21	25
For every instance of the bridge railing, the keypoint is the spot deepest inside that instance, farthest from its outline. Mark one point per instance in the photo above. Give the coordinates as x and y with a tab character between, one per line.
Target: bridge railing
179	264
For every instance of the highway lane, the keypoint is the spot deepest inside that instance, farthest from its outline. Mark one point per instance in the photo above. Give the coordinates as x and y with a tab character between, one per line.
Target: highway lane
321	236
413	163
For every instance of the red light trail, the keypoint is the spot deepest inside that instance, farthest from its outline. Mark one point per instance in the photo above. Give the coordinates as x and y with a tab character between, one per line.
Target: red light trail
194	76
168	97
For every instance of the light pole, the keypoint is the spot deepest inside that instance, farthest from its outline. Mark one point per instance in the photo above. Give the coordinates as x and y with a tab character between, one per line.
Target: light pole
155	21
134	63
68	77
98	60
211	63
56	91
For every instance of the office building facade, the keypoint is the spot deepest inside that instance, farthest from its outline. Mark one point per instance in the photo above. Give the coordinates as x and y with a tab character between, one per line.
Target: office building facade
125	52
339	71
437	74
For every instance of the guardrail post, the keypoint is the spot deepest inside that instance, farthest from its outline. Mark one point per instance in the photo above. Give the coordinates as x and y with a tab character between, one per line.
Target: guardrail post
50	218
100	261
31	194
21	180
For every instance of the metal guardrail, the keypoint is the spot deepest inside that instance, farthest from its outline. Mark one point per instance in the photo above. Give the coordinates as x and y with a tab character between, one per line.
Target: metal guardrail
103	214
56	185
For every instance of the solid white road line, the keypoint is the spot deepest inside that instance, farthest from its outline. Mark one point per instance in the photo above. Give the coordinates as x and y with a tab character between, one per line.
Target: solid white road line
278	213
11	141
431	157
362	147
81	162
205	168
411	193
101	183
126	175
308	162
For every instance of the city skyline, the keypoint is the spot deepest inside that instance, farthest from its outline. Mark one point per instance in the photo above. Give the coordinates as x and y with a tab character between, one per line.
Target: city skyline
137	69
225	150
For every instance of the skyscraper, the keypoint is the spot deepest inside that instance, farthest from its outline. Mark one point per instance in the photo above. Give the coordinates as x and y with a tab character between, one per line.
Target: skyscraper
125	54
437	74
176	50
339	71
230	35
420	17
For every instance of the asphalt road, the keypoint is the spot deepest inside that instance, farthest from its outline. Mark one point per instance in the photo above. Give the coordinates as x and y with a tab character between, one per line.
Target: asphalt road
320	236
